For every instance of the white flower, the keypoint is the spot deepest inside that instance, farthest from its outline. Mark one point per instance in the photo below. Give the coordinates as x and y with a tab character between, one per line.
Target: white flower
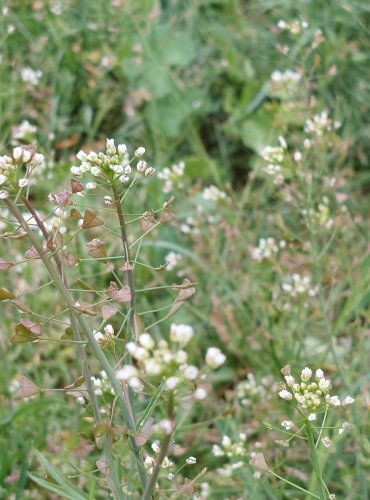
324	384
319	373
23	183
153	367
199	394
95	171
181	357
297	156
226	441
191	460
90	185
111	148
289	379
334	401
166	426
124	179
118	169
109	330
126	372
311	417
343	427
217	451
122	148
81	155
191	372
17	153
3	179
288	424
172	382
285	395
31	76
181	333
139	152
155	447
146	341
326	442
149	171
98	336
141	166
136	384
348	400
213	193
26	156
214	357
75	170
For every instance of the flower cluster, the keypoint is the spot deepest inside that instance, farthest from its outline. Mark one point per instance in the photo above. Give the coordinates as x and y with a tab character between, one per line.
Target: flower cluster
213	193
11	173
166	361
249	389
318	125
23	132
274	156
102	384
320	216
172	260
267	248
113	165
171	176
294	27
310	396
299	285
31	76
106	339
284	83
230	449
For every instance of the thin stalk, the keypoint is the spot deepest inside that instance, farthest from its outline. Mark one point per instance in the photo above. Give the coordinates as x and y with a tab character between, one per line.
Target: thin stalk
126	253
293	484
162	453
54	273
315	461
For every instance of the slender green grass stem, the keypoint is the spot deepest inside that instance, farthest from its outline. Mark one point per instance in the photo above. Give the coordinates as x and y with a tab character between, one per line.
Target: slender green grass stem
126	253
162	453
293	484
315	461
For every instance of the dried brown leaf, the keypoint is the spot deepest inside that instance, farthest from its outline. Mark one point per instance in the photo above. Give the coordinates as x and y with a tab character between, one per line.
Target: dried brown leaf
91	220
96	248
70	259
76	186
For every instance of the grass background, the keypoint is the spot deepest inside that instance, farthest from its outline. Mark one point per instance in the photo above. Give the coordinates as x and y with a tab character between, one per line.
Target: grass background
190	81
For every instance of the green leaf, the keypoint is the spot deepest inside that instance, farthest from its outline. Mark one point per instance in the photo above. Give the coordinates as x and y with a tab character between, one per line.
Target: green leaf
174	48
68	488
54	488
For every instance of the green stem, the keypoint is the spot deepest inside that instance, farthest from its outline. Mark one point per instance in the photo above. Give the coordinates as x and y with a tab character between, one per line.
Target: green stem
126	253
315	461
161	455
293	484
